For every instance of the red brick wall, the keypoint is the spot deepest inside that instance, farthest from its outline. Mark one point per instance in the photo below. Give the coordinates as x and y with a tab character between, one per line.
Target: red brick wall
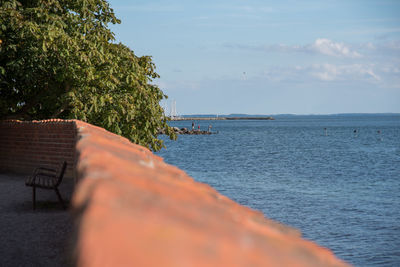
27	145
135	210
132	209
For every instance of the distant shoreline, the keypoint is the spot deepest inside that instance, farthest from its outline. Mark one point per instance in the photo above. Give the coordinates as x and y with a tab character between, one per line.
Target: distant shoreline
219	118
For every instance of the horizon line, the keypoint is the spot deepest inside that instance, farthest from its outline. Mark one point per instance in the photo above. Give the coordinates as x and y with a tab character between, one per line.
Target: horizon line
294	114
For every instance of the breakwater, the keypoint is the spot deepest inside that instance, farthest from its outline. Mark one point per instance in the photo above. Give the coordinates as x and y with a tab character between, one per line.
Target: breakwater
192	132
218	118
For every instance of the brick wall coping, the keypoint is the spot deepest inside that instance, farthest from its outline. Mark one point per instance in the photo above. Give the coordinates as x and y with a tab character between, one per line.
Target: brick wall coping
136	210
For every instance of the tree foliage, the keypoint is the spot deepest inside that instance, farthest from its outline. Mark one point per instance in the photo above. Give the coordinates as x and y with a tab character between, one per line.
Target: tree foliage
60	59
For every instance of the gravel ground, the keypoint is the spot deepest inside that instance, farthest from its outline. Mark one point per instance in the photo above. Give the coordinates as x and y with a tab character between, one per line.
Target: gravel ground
28	237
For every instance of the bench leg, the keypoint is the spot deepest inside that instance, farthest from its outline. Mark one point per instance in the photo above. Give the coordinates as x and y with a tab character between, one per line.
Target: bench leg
59	197
34	197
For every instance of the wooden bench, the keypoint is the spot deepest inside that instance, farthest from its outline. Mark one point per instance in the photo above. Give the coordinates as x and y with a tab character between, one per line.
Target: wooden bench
47	178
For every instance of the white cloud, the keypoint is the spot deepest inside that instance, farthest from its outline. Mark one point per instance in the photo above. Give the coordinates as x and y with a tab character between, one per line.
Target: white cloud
330	48
330	72
393	45
324	72
320	46
370	46
254	9
391	69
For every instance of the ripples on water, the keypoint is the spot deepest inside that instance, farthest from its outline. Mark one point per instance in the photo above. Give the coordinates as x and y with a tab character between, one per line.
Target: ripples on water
341	190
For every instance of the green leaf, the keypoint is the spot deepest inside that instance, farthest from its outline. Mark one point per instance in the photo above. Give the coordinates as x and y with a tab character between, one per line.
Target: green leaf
63	57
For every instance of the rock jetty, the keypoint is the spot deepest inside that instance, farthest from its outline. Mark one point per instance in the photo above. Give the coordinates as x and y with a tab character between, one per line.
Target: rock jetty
192	132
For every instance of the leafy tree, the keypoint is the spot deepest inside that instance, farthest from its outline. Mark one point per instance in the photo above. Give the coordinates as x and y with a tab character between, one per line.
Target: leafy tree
60	59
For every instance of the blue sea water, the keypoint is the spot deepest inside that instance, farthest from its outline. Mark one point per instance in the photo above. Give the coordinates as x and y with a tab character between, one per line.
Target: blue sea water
340	188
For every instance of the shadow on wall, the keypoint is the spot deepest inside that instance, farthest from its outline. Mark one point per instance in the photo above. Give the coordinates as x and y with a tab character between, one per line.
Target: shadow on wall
25	145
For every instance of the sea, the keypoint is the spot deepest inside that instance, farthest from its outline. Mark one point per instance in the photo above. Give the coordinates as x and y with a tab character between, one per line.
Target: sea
336	178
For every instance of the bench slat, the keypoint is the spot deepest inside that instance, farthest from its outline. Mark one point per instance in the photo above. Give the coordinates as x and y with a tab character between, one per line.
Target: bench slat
48	179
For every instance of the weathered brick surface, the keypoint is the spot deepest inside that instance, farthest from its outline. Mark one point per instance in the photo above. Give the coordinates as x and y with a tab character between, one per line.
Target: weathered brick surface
135	210
25	145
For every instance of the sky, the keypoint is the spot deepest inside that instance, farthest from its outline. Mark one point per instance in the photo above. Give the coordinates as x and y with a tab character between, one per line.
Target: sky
269	57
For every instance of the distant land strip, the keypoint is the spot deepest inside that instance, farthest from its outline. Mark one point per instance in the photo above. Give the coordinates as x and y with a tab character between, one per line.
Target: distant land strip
219	118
